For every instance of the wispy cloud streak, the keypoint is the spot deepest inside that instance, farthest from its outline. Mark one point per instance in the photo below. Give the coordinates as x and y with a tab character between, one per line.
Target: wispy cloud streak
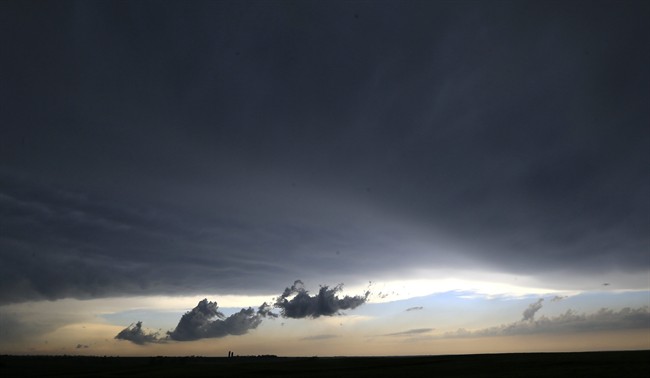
411	332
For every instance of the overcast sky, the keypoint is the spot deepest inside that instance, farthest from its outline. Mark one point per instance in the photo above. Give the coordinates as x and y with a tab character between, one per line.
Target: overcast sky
175	148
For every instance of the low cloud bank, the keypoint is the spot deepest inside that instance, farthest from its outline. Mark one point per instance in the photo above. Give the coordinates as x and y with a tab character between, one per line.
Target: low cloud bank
568	322
206	321
199	324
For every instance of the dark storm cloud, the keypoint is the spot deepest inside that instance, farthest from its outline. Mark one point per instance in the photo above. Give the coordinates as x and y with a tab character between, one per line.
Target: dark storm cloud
603	320
325	303
206	321
203	321
200	323
135	334
529	313
159	148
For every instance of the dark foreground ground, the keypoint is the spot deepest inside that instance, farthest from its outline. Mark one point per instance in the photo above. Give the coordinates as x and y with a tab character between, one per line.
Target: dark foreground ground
593	364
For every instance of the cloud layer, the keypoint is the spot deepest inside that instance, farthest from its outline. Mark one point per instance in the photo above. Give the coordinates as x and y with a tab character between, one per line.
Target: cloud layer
164	149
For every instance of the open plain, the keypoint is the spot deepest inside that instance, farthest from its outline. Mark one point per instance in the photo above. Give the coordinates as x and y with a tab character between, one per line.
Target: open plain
589	364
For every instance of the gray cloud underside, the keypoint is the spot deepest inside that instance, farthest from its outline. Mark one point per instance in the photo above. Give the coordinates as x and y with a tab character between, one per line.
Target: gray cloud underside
174	147
603	320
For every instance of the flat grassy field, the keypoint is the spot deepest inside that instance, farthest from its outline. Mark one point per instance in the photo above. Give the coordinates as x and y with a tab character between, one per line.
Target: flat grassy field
592	364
